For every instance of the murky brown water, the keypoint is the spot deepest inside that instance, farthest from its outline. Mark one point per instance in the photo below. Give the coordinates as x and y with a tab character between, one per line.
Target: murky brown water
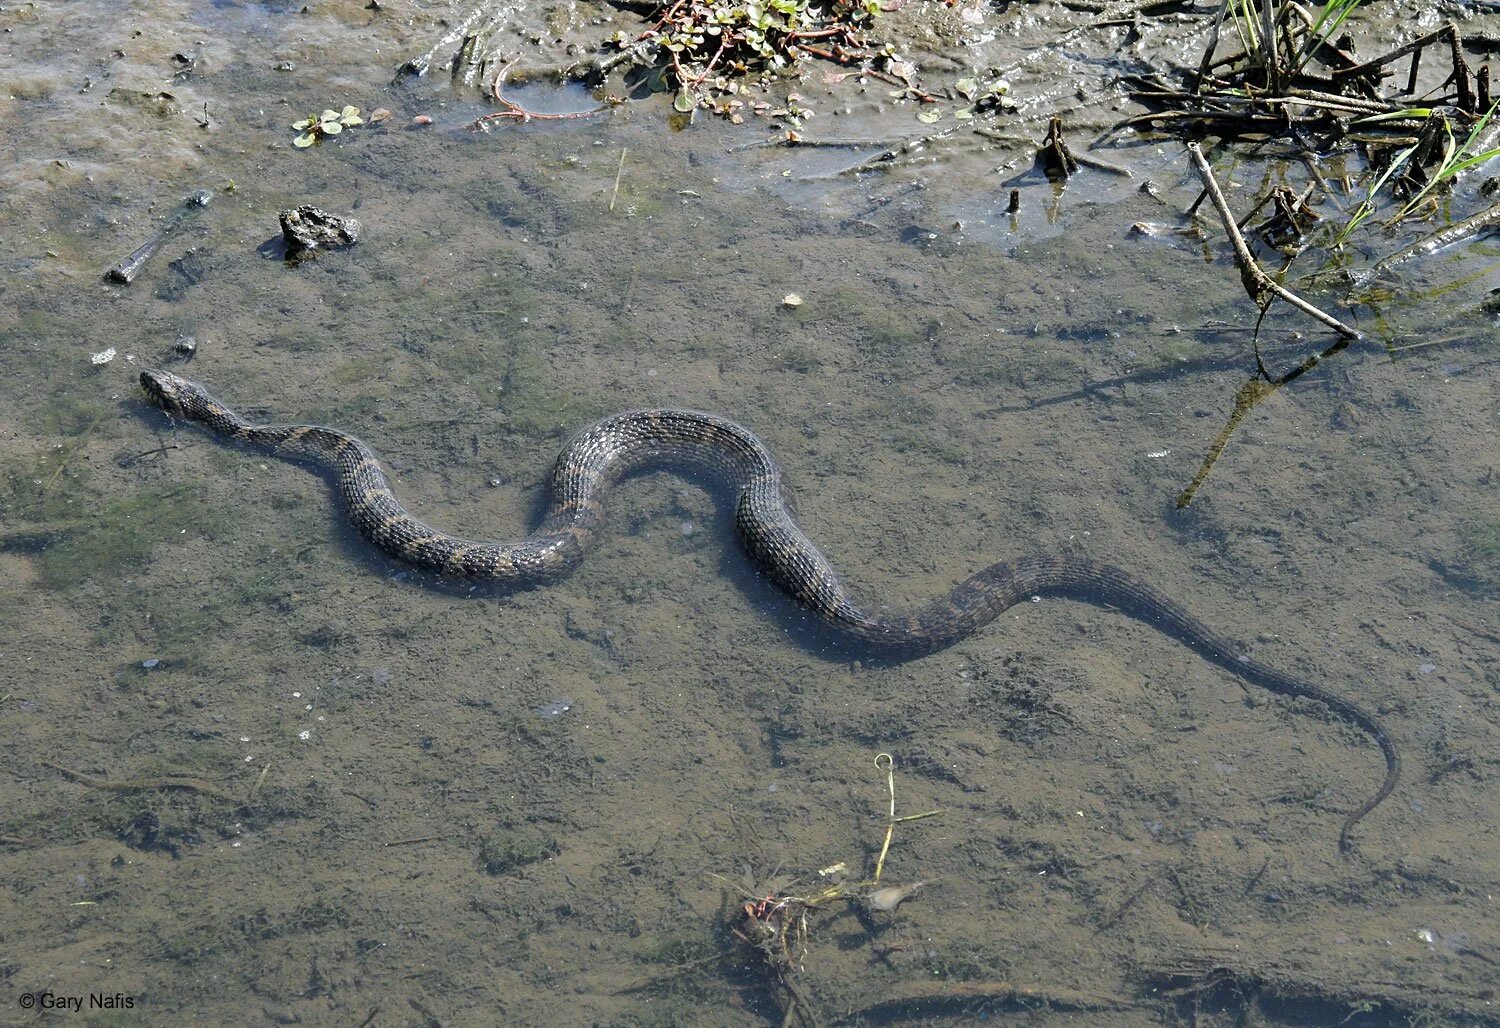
473	809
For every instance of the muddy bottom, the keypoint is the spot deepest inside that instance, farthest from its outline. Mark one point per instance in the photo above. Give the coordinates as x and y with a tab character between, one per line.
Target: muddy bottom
256	770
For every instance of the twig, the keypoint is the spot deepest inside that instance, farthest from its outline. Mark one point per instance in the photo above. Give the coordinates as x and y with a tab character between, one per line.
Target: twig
124	272
1213	44
796	139
410	842
1480	223
1101	165
887	763
1257	283
618	173
932	998
161	450
516	112
138	784
258	780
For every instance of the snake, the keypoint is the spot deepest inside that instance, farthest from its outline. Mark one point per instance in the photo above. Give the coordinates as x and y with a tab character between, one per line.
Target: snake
733	458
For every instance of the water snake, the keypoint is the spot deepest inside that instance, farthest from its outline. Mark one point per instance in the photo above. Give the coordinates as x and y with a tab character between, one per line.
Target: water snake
598	457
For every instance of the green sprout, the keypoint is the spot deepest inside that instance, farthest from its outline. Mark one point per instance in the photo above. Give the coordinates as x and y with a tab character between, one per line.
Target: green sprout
315	127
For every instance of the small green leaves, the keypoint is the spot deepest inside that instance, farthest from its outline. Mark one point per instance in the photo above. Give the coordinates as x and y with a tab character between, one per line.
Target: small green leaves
707	49
316	127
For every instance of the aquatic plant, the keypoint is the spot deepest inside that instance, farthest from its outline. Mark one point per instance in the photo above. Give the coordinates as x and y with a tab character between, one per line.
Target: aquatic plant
316	127
706	46
1456	158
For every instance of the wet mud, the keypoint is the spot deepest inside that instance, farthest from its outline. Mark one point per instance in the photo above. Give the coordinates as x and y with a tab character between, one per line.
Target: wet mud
253	770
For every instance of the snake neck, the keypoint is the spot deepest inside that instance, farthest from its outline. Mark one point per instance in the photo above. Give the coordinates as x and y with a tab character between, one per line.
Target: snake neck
209	412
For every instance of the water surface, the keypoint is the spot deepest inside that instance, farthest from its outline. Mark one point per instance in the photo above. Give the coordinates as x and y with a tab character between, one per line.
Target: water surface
465	808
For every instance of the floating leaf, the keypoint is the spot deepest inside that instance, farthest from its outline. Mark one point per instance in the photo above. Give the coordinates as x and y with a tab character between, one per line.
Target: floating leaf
791	300
305	123
331	128
964	114
685	102
966	88
304	140
379	114
349	111
929	116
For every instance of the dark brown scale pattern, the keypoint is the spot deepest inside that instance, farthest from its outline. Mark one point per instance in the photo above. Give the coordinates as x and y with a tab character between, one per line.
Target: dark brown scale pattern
600	456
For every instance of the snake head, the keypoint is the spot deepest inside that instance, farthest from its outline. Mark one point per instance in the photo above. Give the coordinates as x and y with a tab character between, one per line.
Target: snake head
166	390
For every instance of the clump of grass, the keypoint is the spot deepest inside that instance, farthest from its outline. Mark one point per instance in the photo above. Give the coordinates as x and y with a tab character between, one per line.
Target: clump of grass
1405	166
1290	74
1456	158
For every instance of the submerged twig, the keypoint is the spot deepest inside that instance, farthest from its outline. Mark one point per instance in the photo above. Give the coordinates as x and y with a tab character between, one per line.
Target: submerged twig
140	784
515	112
620	171
1479	224
938	998
126	270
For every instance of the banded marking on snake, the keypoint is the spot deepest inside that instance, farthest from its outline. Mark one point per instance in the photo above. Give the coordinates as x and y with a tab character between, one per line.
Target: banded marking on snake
599	456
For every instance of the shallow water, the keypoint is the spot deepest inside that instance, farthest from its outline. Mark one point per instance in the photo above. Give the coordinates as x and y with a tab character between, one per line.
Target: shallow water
468	808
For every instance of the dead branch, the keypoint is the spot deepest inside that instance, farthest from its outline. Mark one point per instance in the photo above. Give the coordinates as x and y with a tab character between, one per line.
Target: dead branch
1257	283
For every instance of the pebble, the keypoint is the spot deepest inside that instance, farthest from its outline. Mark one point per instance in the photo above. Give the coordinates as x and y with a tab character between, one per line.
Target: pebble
554	709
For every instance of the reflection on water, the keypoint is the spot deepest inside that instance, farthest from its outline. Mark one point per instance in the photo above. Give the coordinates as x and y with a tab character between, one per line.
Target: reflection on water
254	769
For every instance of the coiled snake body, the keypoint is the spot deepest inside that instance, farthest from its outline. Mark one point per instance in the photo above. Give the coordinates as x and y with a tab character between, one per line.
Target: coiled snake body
600	456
